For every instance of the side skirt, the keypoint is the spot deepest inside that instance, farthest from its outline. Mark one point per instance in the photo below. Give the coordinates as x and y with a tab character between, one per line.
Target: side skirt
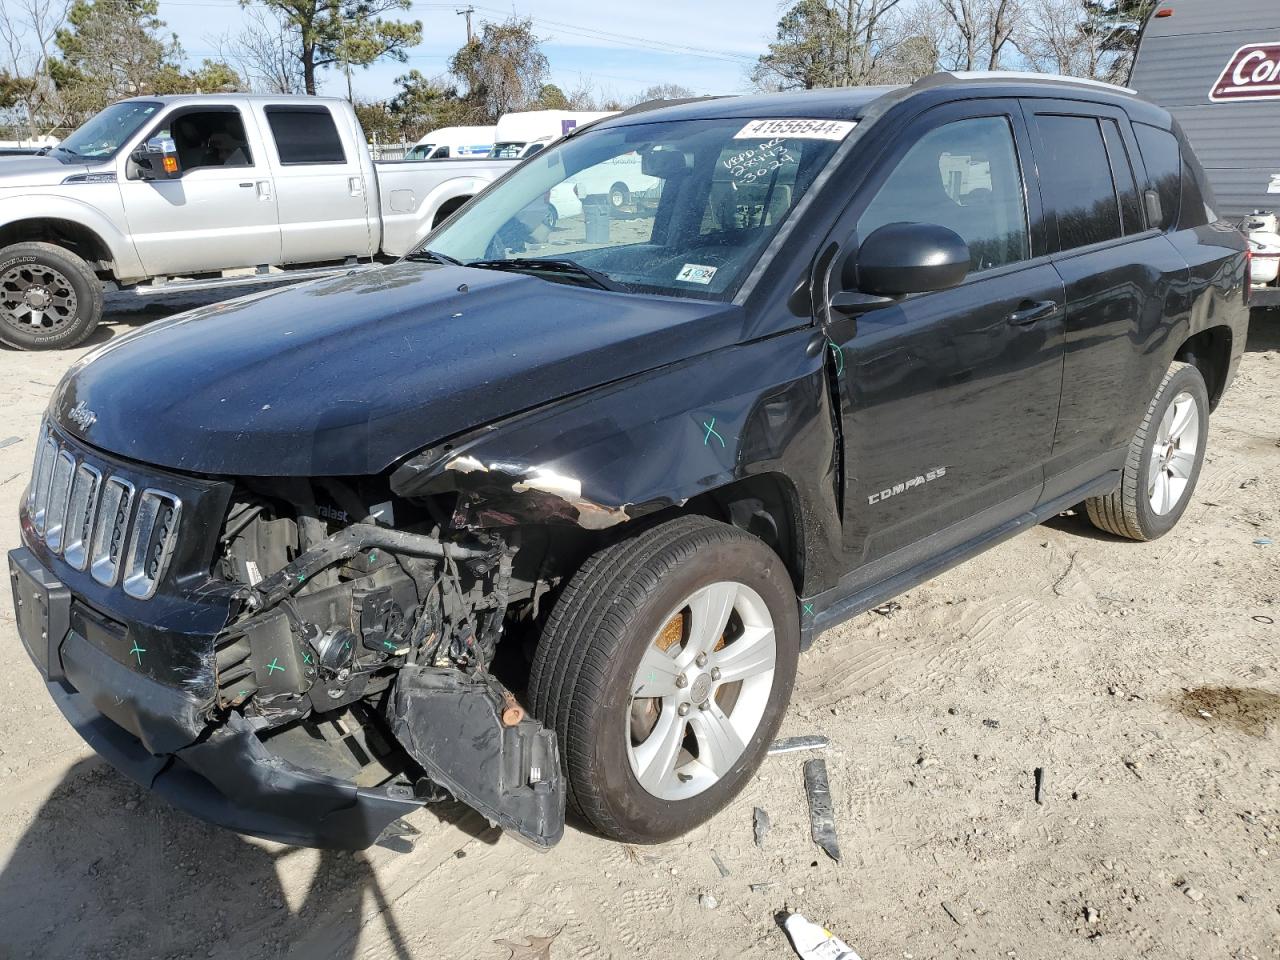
832	607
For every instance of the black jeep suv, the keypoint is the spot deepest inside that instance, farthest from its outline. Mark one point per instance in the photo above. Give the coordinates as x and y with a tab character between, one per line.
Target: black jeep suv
544	514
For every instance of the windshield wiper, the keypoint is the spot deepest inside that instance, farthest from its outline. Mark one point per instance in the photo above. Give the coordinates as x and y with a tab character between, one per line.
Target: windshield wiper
565	268
433	256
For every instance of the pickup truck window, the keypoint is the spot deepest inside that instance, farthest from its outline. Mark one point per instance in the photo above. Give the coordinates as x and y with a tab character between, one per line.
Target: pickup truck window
207	138
305	135
964	176
681	207
103	134
1076	179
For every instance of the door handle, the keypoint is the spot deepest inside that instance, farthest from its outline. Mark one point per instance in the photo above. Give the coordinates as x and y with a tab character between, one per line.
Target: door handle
356	186
1029	311
247	183
264	189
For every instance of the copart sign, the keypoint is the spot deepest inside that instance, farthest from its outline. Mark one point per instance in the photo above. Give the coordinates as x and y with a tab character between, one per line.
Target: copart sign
1252	73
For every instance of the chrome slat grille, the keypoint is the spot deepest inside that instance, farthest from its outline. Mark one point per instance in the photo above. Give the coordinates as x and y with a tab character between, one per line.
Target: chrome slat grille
90	518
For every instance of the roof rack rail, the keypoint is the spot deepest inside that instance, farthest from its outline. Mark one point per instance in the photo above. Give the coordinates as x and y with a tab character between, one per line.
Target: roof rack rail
1031	75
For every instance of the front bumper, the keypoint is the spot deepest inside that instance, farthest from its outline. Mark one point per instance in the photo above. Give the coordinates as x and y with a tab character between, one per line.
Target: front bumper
157	736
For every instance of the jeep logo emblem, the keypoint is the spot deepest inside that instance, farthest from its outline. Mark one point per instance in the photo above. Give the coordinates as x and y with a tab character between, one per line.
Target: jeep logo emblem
82	416
1252	73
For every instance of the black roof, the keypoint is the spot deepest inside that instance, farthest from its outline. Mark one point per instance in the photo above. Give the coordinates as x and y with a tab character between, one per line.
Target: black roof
852	103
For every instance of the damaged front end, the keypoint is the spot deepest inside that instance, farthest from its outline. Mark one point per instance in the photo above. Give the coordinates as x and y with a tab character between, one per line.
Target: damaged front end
304	667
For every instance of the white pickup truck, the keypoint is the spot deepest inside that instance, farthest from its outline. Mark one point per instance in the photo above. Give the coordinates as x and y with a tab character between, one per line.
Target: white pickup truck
157	194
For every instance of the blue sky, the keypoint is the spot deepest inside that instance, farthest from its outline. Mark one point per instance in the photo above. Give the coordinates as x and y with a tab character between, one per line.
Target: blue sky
706	45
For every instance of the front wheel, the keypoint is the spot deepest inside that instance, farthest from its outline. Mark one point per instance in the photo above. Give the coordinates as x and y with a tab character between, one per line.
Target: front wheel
49	298
1164	461
665	670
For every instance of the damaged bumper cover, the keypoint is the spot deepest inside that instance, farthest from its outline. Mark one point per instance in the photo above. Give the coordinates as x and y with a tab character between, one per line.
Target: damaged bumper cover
158	735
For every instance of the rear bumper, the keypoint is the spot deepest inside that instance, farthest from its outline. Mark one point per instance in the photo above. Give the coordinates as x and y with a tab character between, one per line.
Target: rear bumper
157	736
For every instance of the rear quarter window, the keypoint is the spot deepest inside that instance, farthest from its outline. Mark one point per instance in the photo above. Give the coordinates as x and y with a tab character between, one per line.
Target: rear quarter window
305	135
1164	169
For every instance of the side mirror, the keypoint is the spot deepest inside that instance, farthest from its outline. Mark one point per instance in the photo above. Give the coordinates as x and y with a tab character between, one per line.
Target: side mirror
157	159
902	258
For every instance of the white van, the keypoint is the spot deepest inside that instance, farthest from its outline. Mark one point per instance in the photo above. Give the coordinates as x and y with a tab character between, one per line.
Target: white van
453	143
520	135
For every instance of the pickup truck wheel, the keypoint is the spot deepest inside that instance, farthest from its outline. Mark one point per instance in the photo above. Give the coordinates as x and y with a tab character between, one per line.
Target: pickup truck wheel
1164	461
619	195
49	298
665	669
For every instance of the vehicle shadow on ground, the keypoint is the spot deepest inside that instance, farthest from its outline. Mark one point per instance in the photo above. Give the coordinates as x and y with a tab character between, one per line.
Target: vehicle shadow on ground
106	871
1264	331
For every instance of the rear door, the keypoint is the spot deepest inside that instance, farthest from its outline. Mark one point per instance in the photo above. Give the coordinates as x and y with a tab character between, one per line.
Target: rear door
321	188
221	213
949	398
1117	270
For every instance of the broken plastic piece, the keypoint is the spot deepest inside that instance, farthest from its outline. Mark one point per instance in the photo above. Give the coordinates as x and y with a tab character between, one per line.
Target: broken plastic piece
794	744
813	942
822	819
761	825
452	724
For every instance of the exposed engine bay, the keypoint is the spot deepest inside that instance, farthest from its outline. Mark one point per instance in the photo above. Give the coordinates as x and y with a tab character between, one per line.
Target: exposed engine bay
382	623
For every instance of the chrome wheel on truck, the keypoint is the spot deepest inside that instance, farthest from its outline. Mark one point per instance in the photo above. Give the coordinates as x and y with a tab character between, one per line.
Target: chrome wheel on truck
701	690
664	670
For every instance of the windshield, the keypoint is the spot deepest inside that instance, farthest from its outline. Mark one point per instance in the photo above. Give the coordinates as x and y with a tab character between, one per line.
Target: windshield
102	135
677	207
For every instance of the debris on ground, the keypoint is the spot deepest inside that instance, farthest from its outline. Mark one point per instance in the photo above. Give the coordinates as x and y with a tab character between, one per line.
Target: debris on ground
812	942
762	887
9	441
760	825
953	913
537	948
993	724
822	817
1039	775
887	609
708	901
794	744
715	858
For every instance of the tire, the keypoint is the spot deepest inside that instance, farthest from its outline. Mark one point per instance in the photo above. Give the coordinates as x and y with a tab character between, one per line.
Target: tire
69	302
1159	460
621	606
551	217
619	195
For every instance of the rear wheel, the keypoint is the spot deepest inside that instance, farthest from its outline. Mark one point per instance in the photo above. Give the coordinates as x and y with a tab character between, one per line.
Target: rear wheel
49	298
619	195
665	670
1164	461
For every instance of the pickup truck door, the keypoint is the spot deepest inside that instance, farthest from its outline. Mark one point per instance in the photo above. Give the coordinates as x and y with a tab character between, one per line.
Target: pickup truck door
949	399
221	213
322	186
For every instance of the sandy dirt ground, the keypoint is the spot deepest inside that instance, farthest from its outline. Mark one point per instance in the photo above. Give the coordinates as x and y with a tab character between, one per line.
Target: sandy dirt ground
1142	679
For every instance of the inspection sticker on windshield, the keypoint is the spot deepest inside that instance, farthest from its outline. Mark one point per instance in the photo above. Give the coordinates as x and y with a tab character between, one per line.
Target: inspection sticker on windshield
696	273
797	129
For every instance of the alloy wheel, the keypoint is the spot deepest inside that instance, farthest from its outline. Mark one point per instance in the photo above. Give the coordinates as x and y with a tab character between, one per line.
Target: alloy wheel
37	297
1173	455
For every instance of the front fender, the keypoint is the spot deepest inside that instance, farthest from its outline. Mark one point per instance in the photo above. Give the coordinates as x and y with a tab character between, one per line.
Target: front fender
55	206
657	440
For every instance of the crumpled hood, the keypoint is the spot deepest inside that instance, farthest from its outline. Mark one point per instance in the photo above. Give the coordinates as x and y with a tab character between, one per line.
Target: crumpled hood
23	172
347	375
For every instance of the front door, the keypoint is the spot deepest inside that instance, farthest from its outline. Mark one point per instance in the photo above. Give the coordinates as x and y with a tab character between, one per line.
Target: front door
220	214
949	399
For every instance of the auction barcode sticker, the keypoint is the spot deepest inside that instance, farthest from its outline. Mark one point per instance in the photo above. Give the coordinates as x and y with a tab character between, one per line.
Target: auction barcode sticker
799	129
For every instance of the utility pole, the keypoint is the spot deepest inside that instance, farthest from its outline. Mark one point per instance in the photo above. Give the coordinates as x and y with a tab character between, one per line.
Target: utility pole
467	13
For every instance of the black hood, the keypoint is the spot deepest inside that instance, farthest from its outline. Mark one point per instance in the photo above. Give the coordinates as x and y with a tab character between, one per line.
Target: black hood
345	376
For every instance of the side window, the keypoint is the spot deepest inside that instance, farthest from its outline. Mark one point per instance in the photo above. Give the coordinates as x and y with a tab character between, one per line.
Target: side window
305	135
963	175
207	138
1164	169
440	153
1076	181
1122	174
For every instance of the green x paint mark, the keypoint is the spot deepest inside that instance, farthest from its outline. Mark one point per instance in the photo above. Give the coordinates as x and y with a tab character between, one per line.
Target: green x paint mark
837	351
808	609
241	693
388	644
302	577
138	651
306	658
273	666
711	432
